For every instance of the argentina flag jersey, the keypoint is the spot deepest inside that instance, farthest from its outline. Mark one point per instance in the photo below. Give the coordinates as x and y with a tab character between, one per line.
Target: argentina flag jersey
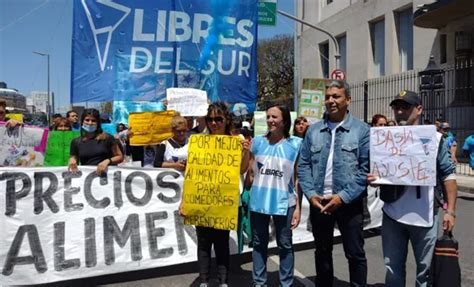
272	189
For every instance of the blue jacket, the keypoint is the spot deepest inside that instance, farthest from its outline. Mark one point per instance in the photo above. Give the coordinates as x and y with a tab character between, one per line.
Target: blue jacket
350	160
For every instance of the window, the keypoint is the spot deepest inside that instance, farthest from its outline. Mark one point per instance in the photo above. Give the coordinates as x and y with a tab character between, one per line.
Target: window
328	2
405	39
443	42
324	55
377	35
343	51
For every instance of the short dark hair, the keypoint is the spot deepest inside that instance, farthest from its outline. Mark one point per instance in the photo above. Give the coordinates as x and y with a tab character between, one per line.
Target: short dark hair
57	116
69	112
340	85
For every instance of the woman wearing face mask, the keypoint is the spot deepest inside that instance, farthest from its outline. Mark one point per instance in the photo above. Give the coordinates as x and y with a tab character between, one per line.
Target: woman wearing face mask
218	122
273	194
94	146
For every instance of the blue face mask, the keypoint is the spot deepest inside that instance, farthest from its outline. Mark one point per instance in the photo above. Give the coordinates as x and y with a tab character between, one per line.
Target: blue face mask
89	129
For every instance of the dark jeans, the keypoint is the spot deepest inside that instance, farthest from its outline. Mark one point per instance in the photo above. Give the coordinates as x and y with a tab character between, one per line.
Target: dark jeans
220	238
349	218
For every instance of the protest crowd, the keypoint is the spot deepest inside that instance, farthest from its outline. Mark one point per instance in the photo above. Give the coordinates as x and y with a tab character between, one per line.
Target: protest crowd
327	162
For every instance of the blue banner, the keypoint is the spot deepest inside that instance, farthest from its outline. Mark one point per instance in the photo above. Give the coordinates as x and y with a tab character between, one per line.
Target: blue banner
135	50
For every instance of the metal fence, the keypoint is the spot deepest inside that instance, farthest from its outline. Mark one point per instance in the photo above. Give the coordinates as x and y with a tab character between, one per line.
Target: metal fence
453	102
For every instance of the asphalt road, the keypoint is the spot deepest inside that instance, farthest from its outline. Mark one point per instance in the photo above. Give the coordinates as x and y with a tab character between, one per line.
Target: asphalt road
241	265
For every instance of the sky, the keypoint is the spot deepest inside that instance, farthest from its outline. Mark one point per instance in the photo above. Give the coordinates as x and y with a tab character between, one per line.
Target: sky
46	26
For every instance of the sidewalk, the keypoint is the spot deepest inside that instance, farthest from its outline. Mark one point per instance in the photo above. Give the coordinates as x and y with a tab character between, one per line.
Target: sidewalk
465	183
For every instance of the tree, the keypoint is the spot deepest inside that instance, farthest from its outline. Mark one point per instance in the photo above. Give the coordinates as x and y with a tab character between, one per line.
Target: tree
275	71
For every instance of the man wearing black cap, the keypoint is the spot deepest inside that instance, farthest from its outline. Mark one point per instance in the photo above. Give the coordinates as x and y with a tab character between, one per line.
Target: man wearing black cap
411	212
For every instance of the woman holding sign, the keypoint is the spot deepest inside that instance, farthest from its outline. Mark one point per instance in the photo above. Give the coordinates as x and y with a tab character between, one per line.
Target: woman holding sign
273	194
218	122
94	146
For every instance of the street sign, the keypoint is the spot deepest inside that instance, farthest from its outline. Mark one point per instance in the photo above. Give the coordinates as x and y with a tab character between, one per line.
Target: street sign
267	10
338	74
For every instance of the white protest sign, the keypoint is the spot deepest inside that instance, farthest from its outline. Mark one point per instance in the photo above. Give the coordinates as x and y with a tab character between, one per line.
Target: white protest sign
404	155
22	146
188	102
58	226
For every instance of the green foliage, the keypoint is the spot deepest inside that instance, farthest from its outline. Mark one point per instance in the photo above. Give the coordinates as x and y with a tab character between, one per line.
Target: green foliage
275	71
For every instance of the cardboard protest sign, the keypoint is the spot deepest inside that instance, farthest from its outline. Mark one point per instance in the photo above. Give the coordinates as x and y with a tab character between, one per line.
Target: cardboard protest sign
85	226
150	128
404	155
188	102
211	182
16	117
21	146
58	147
311	102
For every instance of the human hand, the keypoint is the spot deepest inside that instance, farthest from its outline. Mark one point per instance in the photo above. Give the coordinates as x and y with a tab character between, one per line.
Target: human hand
295	220
180	165
334	203
245	145
449	221
315	201
371	178
72	165
102	166
180	210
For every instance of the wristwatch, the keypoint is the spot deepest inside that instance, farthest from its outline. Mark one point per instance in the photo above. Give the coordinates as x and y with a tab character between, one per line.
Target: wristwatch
110	161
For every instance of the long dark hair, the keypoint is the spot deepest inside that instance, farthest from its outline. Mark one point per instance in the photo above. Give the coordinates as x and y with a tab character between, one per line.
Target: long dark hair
221	108
297	121
285	112
96	115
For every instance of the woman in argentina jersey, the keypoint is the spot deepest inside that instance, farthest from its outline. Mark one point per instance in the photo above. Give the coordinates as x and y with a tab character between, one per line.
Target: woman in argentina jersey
273	194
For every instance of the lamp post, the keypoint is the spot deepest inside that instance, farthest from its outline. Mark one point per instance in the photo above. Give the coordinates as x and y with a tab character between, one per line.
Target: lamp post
432	88
49	107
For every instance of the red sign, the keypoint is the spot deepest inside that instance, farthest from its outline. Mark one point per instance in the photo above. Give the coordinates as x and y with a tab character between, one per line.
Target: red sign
338	74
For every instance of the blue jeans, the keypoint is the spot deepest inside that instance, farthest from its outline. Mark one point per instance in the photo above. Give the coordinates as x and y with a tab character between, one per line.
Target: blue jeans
395	237
284	234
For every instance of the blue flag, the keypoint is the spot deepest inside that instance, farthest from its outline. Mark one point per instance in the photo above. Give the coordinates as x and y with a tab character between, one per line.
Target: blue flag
135	50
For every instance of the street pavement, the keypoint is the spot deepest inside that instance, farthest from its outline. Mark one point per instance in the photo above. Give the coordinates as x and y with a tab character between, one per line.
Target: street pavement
241	265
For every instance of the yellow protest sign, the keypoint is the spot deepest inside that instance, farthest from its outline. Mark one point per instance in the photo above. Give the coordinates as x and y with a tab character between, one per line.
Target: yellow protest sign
16	117
150	128
211	181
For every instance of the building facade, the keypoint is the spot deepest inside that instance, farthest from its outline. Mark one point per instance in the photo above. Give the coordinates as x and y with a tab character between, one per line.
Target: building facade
40	101
14	99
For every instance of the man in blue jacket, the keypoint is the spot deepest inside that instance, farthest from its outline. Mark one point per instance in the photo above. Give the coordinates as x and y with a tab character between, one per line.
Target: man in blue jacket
332	173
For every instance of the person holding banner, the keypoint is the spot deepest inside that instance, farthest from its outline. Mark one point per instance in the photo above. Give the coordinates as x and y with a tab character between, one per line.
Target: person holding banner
273	194
332	172
173	152
94	146
410	213
218	122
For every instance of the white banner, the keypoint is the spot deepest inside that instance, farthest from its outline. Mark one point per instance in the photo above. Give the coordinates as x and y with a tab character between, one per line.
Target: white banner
188	102
58	226
404	155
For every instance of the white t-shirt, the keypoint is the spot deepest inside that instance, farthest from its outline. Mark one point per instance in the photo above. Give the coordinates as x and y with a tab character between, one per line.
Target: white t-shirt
328	177
411	210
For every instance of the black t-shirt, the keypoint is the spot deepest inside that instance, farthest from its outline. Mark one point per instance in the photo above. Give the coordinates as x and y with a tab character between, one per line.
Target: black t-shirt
92	151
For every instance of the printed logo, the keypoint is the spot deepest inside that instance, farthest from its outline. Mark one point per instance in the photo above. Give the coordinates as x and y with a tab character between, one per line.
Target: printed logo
104	32
268	171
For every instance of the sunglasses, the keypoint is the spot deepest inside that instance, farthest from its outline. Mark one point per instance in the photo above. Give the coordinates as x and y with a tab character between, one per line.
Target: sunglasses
215	119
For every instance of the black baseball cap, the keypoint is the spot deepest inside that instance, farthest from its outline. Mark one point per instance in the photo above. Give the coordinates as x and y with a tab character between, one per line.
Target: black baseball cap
409	97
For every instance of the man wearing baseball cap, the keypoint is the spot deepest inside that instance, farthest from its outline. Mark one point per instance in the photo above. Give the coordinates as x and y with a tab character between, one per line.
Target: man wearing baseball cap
411	212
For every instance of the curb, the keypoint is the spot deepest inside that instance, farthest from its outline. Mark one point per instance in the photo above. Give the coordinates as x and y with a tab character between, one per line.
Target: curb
468	189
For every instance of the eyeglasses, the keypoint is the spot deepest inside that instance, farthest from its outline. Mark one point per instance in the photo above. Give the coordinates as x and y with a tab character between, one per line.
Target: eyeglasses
401	106
215	119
